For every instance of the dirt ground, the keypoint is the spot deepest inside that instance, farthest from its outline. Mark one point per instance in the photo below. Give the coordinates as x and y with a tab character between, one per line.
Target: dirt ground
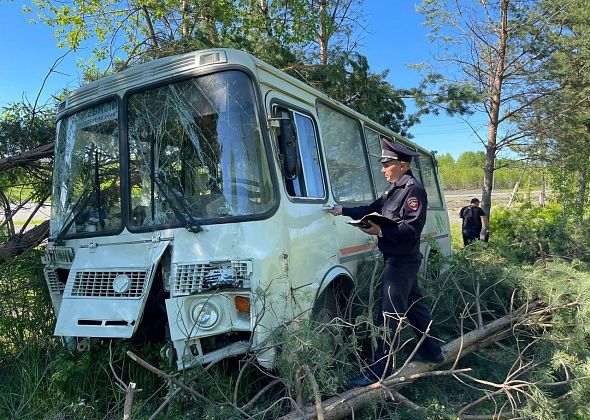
457	199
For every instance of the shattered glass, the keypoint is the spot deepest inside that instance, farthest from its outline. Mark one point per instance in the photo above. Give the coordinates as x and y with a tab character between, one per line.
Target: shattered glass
196	152
86	186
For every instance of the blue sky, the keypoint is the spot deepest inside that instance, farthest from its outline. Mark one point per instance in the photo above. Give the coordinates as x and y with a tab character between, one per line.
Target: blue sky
395	39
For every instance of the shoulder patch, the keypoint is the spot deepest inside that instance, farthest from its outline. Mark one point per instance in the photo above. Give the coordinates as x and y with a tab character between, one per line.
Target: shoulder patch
413	203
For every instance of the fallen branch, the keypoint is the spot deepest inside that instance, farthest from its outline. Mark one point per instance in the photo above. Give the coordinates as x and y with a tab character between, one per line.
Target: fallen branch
164	405
129	394
21	243
166	376
27	157
344	404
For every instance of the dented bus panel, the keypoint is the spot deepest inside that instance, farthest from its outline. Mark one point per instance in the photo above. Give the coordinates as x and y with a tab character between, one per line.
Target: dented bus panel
189	198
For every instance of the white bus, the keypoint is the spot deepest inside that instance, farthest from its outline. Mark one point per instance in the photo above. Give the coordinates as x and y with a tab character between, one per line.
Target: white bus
189	198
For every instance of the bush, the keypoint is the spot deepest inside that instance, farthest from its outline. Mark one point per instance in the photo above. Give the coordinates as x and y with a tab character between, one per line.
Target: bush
527	233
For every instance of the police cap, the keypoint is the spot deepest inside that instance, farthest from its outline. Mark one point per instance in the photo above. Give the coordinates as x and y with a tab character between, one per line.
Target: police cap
395	151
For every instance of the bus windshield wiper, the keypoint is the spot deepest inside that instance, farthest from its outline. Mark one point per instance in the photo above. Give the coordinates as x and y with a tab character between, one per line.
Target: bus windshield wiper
71	216
191	225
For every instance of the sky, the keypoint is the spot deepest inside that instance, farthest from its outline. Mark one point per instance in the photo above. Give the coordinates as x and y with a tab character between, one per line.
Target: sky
395	38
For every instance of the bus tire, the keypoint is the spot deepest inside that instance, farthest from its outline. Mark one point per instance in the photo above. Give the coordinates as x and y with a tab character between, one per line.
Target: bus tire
325	308
329	316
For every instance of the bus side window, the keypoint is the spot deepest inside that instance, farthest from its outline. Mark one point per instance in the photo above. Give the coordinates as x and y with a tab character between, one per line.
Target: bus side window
430	181
346	156
374	147
415	167
298	145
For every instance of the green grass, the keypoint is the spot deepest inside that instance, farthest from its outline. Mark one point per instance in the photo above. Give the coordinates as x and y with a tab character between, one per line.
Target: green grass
456	236
33	222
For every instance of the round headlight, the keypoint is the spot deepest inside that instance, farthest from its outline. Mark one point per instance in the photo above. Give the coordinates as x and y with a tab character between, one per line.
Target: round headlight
205	314
121	283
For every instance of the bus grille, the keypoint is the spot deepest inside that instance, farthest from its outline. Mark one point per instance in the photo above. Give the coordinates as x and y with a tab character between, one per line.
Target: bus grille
63	255
100	284
55	286
195	278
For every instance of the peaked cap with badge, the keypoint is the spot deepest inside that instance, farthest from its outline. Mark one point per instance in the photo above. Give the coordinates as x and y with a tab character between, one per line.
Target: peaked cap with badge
395	151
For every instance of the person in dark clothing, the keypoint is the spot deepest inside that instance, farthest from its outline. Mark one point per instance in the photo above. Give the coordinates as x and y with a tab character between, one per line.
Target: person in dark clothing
405	203
475	223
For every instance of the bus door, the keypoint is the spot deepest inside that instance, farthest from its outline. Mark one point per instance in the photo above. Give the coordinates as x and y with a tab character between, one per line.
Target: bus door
308	226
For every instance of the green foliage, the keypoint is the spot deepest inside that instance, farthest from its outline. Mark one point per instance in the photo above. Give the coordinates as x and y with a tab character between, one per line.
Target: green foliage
481	280
468	171
531	232
25	307
560	123
476	276
313	347
24	127
347	78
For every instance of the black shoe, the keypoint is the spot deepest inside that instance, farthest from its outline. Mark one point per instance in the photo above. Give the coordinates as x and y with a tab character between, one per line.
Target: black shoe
366	378
436	359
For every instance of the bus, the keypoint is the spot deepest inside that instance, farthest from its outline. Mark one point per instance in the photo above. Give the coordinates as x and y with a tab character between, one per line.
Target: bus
189	198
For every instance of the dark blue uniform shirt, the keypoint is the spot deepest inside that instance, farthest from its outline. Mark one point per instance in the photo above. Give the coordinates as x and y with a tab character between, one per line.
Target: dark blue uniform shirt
405	203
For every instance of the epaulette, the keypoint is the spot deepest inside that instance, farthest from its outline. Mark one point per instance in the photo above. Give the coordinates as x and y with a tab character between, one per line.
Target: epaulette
410	182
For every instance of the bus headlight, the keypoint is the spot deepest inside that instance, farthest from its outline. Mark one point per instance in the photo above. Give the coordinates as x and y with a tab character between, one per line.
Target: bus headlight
205	314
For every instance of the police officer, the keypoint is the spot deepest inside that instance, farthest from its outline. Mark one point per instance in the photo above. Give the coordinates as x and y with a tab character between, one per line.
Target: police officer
405	203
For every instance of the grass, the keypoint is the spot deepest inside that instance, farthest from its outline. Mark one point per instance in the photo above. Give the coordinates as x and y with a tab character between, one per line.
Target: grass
33	222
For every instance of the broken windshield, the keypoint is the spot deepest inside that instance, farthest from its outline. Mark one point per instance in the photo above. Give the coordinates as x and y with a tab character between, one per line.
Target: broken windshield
86	186
195	147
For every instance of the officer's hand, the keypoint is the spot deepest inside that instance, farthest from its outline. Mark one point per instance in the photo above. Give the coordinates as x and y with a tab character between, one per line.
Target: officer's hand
373	228
336	210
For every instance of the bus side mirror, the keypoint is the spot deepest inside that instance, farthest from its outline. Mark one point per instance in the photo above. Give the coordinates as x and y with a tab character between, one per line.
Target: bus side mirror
288	147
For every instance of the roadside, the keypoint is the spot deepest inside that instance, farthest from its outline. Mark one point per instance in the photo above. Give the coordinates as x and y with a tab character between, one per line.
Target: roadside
25	212
456	199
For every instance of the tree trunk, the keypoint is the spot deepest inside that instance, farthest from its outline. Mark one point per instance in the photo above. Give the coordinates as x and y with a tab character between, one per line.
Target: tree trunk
579	198
488	171
496	88
323	36
263	4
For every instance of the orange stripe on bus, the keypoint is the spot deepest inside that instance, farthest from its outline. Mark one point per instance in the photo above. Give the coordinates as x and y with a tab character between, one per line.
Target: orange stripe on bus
355	249
426	235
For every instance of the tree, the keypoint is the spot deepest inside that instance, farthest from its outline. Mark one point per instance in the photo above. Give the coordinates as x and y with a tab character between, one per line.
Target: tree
348	79
312	40
278	31
561	123
26	147
495	50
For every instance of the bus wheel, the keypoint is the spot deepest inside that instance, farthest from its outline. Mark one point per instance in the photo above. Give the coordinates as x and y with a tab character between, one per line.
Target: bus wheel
325	309
327	315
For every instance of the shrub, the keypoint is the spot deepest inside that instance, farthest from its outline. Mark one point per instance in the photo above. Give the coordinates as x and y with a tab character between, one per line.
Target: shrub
527	233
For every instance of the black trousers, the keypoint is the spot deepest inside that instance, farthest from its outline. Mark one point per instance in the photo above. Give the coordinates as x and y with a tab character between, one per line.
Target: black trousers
469	236
401	297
